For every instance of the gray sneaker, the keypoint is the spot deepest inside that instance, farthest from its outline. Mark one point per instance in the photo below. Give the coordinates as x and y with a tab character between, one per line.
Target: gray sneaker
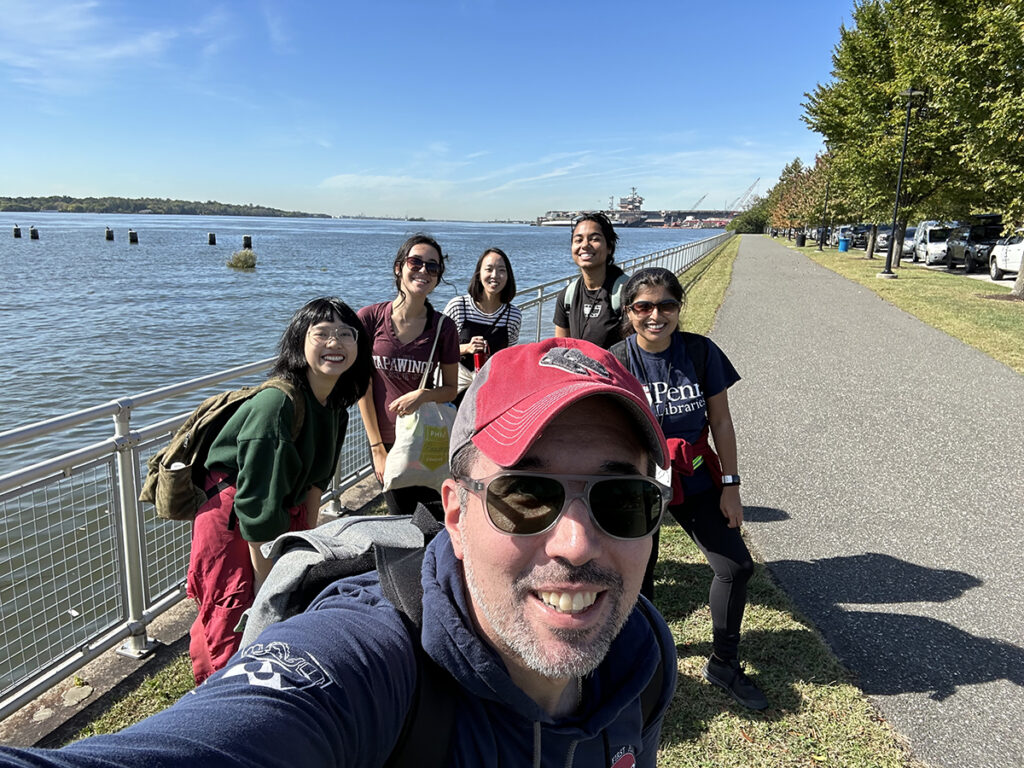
729	676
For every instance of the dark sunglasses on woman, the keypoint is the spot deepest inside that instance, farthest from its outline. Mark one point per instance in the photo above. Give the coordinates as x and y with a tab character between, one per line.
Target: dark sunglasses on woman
415	263
647	307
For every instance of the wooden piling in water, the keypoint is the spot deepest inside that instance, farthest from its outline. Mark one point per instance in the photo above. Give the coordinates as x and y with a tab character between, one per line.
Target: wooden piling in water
133	237
211	238
17	231
109	234
33	233
247	241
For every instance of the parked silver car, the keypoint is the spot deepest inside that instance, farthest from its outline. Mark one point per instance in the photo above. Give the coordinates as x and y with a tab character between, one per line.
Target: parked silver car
843	230
882	240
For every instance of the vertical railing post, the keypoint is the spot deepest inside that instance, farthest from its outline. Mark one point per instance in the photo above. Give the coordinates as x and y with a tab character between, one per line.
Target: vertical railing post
138	644
334	506
540	312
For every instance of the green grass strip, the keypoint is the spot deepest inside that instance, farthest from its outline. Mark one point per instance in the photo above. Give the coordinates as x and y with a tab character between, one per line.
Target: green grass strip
153	694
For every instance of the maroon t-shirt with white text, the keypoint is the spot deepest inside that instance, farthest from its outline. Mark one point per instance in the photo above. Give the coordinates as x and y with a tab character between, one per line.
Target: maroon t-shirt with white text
398	367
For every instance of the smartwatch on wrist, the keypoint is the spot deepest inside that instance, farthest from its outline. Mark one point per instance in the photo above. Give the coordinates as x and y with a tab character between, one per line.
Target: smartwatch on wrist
730	480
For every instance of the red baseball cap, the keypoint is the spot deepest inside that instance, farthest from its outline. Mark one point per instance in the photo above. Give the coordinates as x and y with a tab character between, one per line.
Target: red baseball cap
518	392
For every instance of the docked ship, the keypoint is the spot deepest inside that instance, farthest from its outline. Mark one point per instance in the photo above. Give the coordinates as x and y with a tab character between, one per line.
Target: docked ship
630	213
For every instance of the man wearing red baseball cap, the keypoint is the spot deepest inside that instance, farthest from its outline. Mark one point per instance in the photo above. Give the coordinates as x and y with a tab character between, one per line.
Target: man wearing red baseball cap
530	608
550	511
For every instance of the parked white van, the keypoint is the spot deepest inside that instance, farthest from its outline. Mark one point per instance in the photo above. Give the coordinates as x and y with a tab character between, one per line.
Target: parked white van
930	241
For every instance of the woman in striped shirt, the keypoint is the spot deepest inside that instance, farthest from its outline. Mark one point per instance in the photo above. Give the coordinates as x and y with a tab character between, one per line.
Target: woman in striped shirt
486	319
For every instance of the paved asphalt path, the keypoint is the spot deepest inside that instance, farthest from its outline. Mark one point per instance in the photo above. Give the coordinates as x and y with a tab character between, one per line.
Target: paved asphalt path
883	474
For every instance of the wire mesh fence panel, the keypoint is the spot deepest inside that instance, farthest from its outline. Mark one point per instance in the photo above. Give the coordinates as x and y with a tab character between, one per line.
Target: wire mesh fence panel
61	581
166	543
355	451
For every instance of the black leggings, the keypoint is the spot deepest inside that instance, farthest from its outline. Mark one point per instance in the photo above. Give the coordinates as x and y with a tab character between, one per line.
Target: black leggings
702	519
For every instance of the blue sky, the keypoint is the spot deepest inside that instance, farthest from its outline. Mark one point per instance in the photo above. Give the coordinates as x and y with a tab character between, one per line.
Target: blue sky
463	110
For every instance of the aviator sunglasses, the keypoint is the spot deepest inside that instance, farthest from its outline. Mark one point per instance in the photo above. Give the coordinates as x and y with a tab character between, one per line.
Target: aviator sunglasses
647	307
416	264
526	504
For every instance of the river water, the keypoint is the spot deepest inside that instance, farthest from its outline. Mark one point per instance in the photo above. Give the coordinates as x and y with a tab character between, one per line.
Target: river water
84	320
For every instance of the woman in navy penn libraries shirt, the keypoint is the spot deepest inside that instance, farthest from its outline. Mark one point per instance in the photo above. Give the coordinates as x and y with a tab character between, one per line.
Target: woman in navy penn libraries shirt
686	377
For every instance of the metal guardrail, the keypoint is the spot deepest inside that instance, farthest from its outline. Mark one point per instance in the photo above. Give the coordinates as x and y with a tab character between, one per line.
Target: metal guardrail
84	566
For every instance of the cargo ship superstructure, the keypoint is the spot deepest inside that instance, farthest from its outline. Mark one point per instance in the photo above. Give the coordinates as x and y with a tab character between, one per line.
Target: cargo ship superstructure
630	212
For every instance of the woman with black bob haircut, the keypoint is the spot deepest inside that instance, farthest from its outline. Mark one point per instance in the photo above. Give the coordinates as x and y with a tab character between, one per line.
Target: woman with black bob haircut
402	333
590	306
291	363
485	317
686	377
267	469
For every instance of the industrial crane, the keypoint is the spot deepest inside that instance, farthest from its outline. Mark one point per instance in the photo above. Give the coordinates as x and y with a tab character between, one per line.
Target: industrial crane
701	200
744	199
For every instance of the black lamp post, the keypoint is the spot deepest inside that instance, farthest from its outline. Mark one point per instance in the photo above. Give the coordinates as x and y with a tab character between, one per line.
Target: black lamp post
909	94
824	217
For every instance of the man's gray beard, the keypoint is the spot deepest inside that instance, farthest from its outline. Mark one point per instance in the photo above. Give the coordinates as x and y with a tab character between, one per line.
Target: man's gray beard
519	639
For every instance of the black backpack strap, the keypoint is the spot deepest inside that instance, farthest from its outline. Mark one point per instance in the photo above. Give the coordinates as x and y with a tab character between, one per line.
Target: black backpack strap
426	734
651	695
697	351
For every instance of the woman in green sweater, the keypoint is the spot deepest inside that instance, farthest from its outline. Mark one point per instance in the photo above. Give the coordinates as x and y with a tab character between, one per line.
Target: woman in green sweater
268	469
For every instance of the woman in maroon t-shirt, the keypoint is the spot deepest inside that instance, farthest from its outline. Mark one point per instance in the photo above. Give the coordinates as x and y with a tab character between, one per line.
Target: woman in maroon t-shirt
402	334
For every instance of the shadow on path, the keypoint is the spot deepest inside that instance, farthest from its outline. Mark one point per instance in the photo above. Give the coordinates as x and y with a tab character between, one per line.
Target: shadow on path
891	652
763	514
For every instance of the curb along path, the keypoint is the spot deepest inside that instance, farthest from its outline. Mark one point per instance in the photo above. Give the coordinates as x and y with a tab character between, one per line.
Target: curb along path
883	469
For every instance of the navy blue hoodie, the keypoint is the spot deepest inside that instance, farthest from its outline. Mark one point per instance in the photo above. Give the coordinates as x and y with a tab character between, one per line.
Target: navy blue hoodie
331	687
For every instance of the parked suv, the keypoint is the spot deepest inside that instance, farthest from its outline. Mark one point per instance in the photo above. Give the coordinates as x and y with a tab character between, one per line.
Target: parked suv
881	237
1006	256
859	235
971	244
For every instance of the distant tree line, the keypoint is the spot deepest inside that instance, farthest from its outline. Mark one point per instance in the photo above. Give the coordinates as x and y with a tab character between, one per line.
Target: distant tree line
66	204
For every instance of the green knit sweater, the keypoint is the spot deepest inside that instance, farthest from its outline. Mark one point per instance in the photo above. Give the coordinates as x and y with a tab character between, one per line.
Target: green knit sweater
271	472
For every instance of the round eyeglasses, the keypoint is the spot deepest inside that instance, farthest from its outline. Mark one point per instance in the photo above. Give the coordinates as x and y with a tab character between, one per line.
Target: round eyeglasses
343	335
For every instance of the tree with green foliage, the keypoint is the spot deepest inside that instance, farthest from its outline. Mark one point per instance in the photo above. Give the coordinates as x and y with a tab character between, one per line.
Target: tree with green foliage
969	57
752	221
966	147
783	198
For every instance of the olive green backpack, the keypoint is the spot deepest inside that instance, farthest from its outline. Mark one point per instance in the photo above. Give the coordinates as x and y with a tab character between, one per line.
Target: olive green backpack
175	474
